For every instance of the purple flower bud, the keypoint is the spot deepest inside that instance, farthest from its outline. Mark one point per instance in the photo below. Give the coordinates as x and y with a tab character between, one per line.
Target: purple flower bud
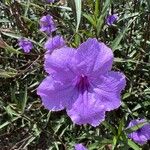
47	24
80	147
142	135
25	44
111	19
54	43
50	1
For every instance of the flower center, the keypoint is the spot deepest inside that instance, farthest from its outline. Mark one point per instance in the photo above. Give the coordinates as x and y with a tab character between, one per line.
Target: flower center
82	84
45	24
139	130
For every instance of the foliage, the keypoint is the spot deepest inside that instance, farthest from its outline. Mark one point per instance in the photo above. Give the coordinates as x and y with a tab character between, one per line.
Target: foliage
24	123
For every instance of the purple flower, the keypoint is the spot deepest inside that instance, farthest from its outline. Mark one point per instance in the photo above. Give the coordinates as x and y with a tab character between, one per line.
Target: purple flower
47	24
25	44
81	82
80	147
50	1
111	19
54	43
142	135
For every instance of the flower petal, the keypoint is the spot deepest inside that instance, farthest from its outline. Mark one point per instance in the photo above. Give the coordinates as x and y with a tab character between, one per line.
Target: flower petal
146	131
54	43
141	135
108	88
138	138
80	147
93	56
59	60
86	109
56	94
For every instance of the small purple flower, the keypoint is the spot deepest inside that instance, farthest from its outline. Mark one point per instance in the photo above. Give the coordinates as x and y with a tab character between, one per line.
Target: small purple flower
111	19
47	24
80	147
25	44
142	135
81	82
54	43
50	1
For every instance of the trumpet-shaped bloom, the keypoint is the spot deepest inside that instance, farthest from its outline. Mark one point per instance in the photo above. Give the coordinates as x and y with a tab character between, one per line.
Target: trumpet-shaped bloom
47	24
54	43
25	44
142	135
81	81
111	19
80	147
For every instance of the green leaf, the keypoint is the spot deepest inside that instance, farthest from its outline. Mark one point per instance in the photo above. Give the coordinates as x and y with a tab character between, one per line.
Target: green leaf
134	128
27	8
90	18
31	138
121	125
12	35
148	3
4	20
7	74
33	5
24	100
133	145
118	39
9	122
102	16
78	4
10	109
97	9
110	127
115	139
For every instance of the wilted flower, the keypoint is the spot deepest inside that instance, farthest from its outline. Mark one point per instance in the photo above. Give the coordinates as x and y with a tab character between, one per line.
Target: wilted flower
111	19
25	44
142	135
81	81
80	147
47	24
54	43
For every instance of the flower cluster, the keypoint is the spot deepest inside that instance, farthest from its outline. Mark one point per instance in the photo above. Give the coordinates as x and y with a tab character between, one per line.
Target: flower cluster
79	80
47	25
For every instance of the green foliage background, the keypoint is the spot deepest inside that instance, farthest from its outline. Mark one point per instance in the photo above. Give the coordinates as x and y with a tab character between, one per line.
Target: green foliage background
24	123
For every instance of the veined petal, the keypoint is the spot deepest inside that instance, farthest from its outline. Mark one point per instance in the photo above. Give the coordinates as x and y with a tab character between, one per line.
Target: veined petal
146	131
108	88
86	109
59	60
138	138
93	56
56	94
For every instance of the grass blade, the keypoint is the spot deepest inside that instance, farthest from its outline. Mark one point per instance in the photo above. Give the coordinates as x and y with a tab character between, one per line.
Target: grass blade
78	4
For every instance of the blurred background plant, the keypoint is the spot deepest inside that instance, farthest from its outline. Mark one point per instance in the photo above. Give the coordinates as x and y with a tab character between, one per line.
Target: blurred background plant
24	123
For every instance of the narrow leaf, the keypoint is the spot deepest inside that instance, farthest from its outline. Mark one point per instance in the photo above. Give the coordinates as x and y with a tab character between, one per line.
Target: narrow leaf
133	145
78	4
